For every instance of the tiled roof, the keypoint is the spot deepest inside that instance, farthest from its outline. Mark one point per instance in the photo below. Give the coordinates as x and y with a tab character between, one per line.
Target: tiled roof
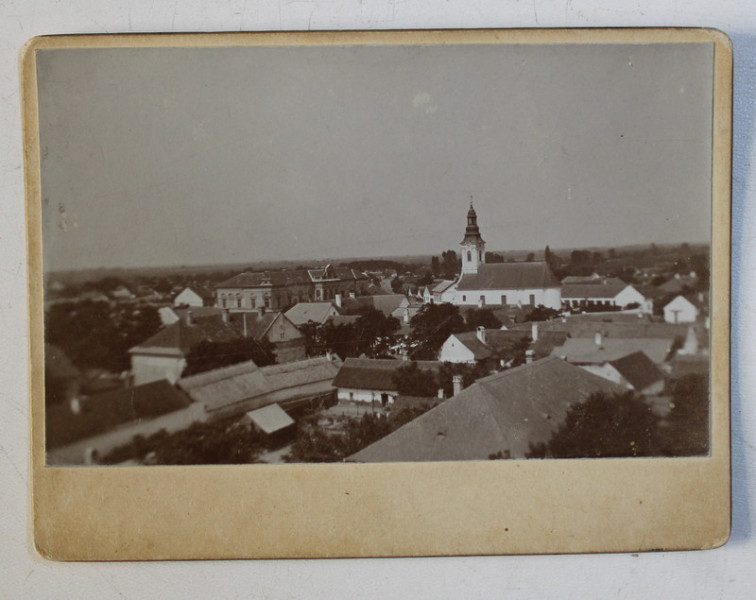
104	412
606	289
677	284
374	373
180	337
509	276
442	287
273	278
506	413
304	312
222	388
502	339
386	303
586	351
638	370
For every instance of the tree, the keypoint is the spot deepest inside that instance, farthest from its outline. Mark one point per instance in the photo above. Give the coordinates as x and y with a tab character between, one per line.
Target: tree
435	266
470	374
604	425
372	334
425	279
397	285
411	380
431	326
493	258
530	257
542	313
482	317
228	441
450	264
206	355
687	425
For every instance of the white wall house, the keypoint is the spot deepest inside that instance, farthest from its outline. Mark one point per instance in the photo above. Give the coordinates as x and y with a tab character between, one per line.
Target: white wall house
190	297
610	292
681	310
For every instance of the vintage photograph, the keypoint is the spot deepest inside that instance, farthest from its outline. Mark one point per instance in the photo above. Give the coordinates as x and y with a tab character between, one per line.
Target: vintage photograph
376	253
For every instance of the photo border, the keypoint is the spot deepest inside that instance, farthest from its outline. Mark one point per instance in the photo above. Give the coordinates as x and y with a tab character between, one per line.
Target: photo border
397	509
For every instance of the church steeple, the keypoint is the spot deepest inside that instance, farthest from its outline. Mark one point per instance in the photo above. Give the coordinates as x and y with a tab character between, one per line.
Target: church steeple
473	245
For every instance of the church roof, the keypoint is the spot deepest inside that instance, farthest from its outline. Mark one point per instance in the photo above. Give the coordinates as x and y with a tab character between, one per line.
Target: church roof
509	276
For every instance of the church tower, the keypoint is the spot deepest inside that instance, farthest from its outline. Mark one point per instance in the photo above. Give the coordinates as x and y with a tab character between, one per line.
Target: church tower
473	246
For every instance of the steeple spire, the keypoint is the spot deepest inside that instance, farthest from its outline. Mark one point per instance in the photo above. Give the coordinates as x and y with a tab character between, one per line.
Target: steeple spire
473	246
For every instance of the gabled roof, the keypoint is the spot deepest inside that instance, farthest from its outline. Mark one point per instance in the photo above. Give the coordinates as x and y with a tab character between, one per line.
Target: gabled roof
509	276
506	413
606	289
270	419
638	370
200	290
104	412
502	339
442	287
682	301
304	312
678	283
178	339
228	386
386	303
579	327
375	373
586	351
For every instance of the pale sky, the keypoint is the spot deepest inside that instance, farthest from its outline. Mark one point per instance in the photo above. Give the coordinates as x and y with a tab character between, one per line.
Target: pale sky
196	156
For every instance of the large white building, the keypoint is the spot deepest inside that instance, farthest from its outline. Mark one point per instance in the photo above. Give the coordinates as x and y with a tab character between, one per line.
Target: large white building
507	284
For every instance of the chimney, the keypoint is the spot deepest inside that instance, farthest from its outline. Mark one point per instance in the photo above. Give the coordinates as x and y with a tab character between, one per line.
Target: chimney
75	405
597	338
189	317
405	354
529	356
480	303
329	356
261	311
246	328
481	333
352	295
457	384
440	393
337	299
534	332
406	315
226	316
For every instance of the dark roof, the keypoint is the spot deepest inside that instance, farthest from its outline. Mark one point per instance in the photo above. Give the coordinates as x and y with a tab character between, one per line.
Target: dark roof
677	284
638	370
304	312
683	365
506	413
107	411
270	419
509	276
375	373
502	339
180	337
602	289
273	278
586	351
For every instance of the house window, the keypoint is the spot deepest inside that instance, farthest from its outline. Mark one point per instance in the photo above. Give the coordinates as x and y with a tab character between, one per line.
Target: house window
532	299
504	299
482	300
464	298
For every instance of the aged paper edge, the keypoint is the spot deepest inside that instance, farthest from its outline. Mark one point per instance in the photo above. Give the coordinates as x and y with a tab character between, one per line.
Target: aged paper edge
409	509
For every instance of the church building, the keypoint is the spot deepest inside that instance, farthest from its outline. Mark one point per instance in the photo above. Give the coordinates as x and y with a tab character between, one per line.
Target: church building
507	284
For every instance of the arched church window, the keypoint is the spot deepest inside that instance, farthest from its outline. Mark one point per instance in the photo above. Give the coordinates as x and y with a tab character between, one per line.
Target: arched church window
469	256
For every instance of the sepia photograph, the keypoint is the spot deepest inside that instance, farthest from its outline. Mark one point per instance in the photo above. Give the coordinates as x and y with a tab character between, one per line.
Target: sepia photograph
375	253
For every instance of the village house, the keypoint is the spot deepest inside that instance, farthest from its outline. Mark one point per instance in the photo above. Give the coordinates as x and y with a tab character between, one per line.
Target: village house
244	388
442	292
634	371
488	345
517	283
680	283
194	296
610	292
681	310
311	312
163	356
500	416
370	382
282	289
